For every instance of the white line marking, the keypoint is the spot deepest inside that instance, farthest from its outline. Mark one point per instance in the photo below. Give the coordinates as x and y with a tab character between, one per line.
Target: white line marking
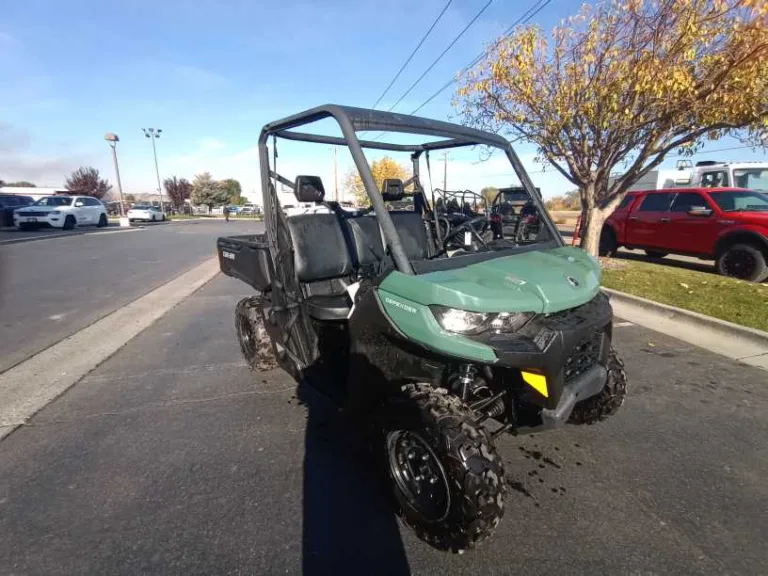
622	324
31	385
22	239
115	231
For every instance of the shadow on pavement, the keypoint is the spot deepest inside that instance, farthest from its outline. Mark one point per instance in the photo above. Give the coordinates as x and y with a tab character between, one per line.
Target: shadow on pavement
349	526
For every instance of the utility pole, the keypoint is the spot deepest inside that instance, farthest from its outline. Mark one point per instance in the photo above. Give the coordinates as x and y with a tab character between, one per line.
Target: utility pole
152	134
445	170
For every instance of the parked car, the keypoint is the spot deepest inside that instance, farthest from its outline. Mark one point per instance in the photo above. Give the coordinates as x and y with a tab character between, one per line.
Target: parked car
8	204
146	213
61	211
727	225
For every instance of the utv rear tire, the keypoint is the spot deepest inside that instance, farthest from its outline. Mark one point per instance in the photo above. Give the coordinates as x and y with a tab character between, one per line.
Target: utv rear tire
743	261
471	473
255	343
609	400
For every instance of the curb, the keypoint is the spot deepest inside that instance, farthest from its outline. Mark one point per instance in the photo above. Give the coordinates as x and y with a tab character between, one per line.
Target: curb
747	345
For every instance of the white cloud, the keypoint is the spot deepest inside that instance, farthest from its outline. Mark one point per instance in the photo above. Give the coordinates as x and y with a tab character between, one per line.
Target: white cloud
18	163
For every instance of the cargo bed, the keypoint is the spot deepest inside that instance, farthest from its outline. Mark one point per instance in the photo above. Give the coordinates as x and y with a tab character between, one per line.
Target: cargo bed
246	258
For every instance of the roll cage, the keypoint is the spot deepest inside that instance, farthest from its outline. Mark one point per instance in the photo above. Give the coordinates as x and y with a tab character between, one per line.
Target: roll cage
352	120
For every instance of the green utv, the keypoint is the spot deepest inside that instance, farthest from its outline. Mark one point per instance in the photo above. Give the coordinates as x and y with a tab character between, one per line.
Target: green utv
441	339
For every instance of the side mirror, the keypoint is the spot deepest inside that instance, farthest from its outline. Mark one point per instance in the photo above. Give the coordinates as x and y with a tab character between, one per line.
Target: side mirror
699	211
79	204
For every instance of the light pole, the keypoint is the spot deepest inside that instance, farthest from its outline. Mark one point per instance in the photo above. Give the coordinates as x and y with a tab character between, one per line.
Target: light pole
112	138
152	134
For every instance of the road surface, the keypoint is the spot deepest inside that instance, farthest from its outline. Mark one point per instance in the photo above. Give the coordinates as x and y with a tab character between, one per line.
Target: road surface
173	458
51	288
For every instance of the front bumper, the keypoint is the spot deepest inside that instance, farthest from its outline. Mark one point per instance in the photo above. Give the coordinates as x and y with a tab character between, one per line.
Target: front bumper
569	348
51	221
586	385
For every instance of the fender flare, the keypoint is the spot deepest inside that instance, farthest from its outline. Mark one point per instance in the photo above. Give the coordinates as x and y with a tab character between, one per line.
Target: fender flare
740	236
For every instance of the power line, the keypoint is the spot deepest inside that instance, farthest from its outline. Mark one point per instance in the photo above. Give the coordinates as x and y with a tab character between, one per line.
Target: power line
526	17
447	4
443	53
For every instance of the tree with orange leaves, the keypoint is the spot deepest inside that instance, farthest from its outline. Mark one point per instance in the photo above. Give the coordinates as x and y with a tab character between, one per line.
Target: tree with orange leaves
381	169
610	92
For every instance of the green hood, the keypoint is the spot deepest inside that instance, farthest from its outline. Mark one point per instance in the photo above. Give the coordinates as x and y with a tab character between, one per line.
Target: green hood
537	281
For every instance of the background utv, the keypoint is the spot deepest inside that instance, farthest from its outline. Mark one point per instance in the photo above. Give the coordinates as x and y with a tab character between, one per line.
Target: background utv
439	347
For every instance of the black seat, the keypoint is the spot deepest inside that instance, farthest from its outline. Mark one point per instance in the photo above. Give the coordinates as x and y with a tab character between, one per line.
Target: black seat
366	241
413	234
320	254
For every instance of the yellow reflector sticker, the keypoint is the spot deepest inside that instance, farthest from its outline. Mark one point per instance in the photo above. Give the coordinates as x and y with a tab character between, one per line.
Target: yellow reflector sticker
536	381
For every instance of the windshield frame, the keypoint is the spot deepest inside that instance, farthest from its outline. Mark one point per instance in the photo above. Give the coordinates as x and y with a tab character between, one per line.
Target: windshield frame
352	120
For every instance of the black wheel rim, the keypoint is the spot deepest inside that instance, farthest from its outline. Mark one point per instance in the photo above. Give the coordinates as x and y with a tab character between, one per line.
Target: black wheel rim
739	264
418	475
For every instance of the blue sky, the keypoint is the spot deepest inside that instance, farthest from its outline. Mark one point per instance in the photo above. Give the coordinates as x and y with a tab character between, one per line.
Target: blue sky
210	74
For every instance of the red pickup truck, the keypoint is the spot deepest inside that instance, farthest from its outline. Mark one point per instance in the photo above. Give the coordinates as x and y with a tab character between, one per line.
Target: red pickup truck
728	225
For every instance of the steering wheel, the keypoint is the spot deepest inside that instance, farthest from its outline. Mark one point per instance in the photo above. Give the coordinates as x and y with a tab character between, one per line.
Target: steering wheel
468	226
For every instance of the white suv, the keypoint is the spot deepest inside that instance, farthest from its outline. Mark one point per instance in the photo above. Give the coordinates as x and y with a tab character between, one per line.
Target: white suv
61	211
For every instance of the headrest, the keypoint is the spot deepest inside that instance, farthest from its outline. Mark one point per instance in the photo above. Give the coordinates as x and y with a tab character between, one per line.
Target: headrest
392	190
309	189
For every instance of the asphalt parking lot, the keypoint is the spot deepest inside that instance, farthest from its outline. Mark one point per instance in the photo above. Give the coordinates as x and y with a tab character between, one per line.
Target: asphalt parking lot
173	458
14	236
53	286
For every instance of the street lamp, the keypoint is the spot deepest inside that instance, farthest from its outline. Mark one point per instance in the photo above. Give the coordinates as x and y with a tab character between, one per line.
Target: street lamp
112	139
153	134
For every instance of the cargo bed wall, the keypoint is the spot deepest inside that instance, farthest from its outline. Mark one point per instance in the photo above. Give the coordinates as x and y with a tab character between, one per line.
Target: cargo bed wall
246	258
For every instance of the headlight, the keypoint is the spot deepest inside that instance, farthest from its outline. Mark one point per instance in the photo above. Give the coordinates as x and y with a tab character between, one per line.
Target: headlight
55	212
510	321
465	322
460	321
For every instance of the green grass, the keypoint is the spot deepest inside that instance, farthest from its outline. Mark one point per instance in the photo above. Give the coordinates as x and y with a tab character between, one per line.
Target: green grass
743	303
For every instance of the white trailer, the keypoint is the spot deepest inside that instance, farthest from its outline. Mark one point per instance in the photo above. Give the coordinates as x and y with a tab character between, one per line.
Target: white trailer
707	174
